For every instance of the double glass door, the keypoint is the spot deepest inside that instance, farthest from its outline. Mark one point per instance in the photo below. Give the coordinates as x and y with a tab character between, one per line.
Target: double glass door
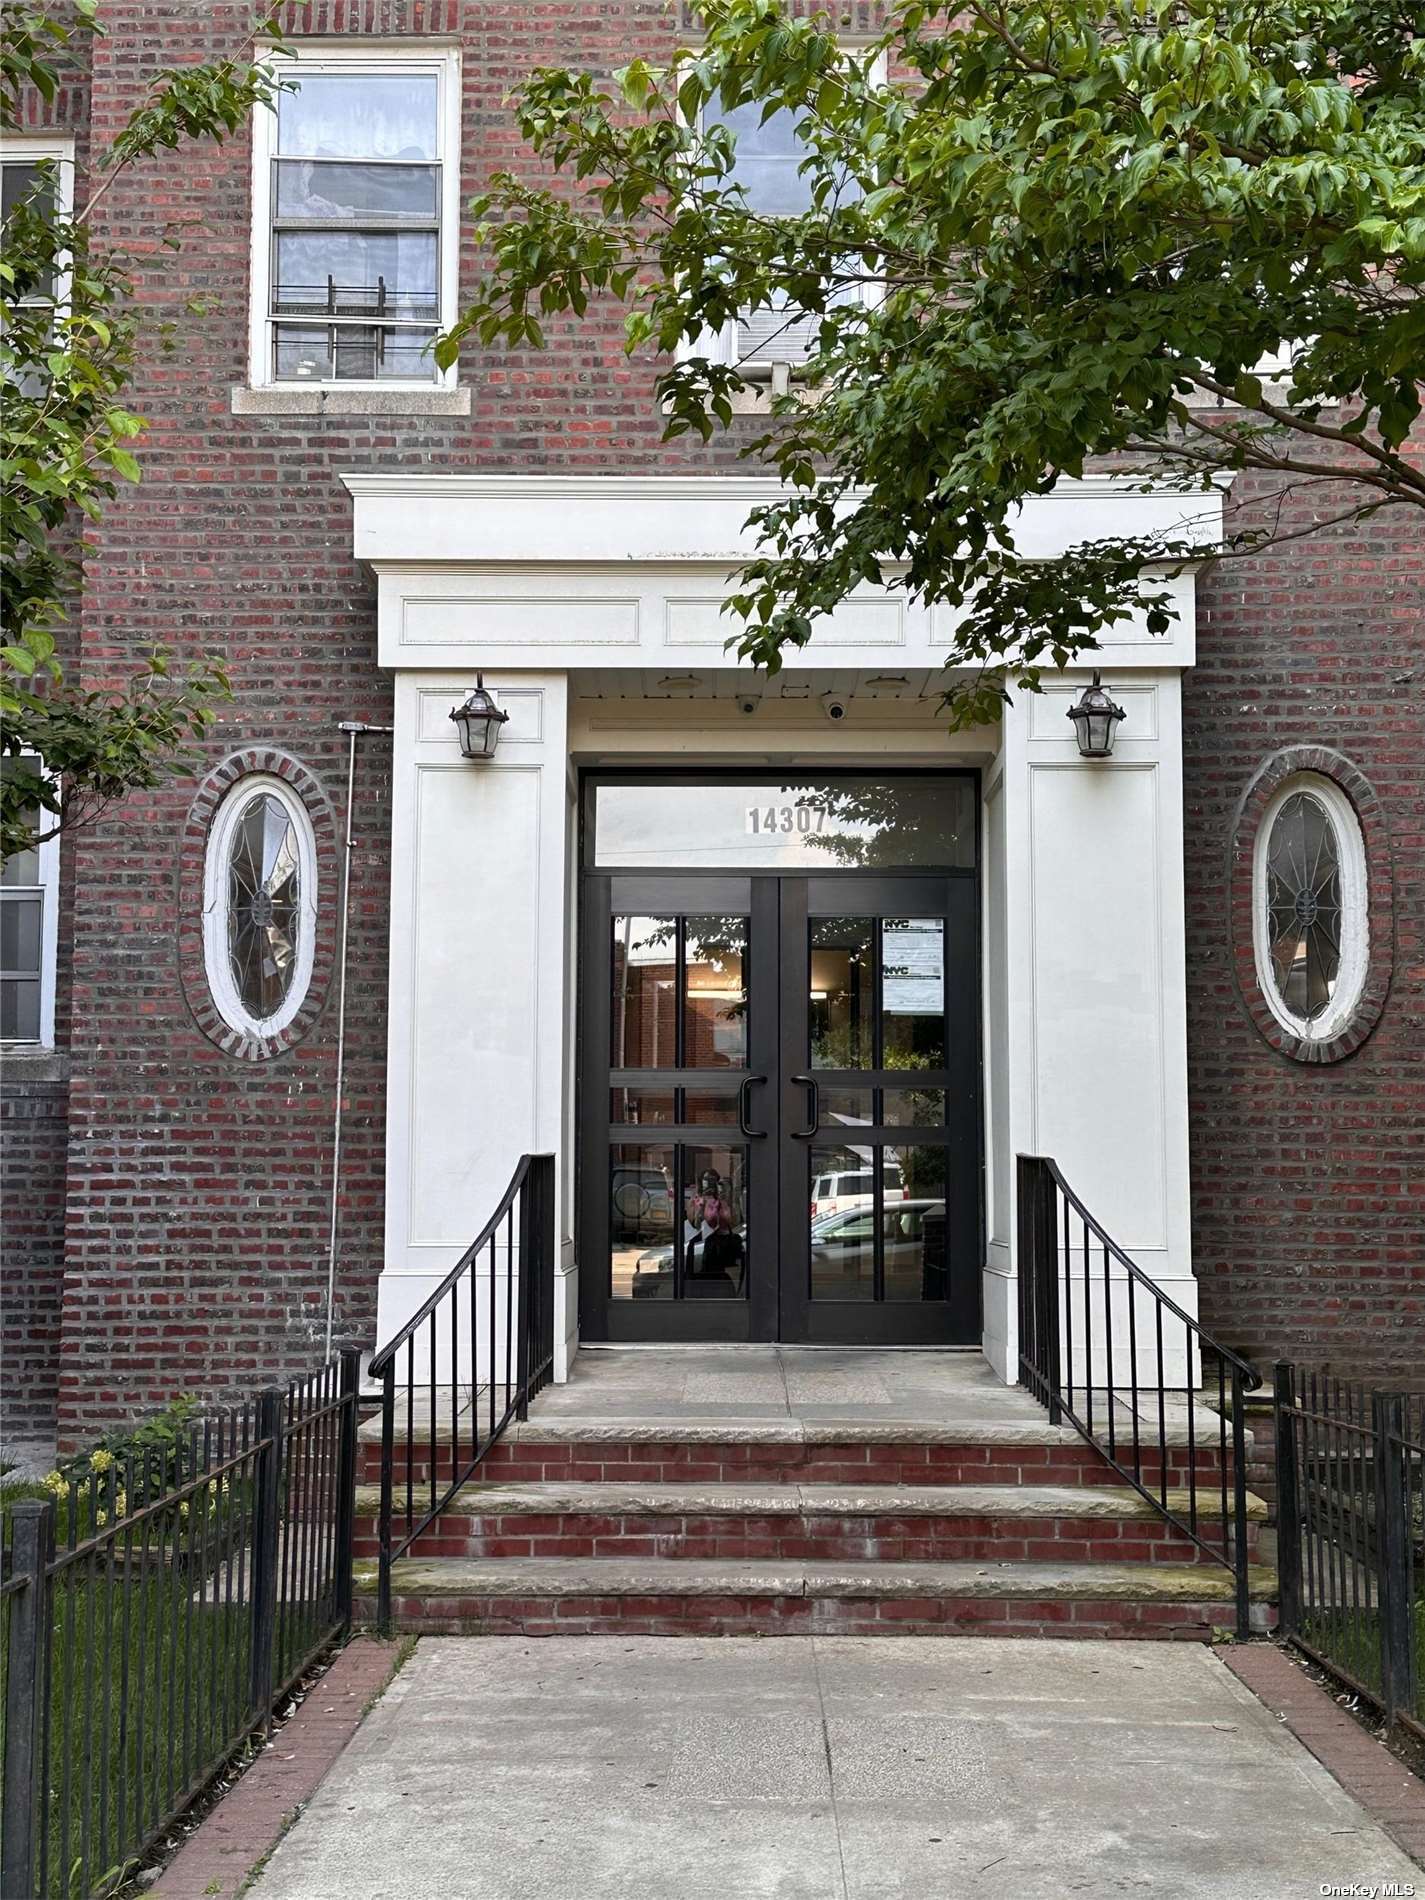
779	1120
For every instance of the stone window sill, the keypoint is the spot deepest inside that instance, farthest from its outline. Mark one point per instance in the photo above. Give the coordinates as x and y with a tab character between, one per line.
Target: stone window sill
329	401
28	1062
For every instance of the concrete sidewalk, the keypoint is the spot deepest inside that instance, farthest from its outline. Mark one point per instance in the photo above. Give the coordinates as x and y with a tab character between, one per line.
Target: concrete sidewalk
824	1769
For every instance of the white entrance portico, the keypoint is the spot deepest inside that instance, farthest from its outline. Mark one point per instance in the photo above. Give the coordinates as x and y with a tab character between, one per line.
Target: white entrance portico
591	604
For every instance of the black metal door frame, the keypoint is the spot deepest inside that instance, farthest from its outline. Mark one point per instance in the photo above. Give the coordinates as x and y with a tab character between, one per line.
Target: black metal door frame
774	1128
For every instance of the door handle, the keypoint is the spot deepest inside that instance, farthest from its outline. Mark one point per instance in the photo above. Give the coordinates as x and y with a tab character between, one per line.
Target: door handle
744	1098
813	1105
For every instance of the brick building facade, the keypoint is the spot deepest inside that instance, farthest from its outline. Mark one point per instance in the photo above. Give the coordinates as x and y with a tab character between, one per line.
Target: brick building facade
169	1198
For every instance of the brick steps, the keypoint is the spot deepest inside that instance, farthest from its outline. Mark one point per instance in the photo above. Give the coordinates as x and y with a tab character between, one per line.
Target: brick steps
713	1454
860	1524
672	1524
543	1596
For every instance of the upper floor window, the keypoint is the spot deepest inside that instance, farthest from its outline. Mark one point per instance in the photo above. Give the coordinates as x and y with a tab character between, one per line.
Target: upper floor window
767	168
29	935
1310	904
355	205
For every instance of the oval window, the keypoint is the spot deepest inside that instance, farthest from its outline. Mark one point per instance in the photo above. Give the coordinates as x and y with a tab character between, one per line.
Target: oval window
1310	917
260	906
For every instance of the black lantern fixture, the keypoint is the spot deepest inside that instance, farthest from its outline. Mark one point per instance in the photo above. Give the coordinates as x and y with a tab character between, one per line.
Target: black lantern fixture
479	721
1095	720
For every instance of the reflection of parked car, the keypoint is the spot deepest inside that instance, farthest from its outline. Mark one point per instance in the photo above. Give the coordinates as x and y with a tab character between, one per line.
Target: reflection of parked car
912	1237
640	1203
831	1193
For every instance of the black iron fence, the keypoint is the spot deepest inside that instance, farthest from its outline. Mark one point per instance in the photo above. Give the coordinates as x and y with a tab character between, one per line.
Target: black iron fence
154	1612
1351	1534
1105	1350
466	1364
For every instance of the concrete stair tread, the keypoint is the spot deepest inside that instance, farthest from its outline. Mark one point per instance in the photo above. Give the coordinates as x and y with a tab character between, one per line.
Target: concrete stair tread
681	1429
525	1577
549	1498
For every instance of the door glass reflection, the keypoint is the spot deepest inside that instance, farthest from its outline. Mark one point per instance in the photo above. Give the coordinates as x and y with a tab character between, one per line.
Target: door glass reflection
647	1107
714	1223
913	1232
842	1213
913	992
913	1108
644	1002
842	1000
642	1185
715	993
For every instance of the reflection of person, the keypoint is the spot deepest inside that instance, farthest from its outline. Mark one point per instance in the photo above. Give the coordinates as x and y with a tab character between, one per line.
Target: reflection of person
712	1248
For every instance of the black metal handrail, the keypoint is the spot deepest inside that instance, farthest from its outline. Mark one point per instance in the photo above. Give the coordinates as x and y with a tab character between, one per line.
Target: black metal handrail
1064	1275
521	1232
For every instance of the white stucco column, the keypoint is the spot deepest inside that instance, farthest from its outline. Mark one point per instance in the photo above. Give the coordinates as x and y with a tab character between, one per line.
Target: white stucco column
476	1053
1086	980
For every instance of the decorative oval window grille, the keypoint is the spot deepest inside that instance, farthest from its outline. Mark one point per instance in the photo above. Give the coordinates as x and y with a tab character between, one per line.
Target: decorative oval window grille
1310	918
260	901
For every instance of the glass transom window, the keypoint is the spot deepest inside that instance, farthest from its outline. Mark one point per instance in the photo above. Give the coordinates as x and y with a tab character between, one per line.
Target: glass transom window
358	176
830	823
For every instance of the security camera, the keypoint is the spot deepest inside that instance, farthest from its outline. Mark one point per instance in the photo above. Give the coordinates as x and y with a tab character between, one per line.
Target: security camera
747	704
834	708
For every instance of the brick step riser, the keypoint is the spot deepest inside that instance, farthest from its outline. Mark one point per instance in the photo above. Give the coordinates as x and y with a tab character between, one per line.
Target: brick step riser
823	1539
799	1616
812	1464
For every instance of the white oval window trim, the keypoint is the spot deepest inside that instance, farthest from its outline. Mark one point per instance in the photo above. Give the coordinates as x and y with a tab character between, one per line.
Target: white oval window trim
1355	912
216	962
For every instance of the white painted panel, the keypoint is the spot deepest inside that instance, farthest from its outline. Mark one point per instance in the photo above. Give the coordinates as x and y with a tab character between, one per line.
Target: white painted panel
519	620
697	620
1001	1159
525	705
474	1030
1049	710
1098	1006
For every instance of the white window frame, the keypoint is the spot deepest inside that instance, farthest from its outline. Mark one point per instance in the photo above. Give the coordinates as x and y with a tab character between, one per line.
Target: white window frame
372	57
1355	908
27	149
720	346
216	963
47	890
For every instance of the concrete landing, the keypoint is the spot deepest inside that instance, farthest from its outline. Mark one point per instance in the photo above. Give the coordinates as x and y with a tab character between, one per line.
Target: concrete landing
795	1394
824	1769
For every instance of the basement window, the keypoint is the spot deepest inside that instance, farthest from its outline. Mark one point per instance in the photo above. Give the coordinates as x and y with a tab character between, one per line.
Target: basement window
355	220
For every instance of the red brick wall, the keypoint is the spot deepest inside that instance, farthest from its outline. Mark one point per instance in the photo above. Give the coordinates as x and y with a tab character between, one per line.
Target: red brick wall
198	1184
1309	1179
34	1088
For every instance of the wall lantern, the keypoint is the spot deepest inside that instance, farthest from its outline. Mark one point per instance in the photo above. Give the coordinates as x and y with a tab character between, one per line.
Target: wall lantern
1095	720
479	721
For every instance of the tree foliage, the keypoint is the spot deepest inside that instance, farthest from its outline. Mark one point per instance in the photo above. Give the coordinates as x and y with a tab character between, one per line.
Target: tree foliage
69	332
1184	235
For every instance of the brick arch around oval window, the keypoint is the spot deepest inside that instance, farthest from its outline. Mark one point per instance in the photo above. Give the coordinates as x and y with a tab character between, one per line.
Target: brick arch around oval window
1256	803
267	762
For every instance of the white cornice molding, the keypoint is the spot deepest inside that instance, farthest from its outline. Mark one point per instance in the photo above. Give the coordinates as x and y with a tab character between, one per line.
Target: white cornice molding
410	518
369	484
